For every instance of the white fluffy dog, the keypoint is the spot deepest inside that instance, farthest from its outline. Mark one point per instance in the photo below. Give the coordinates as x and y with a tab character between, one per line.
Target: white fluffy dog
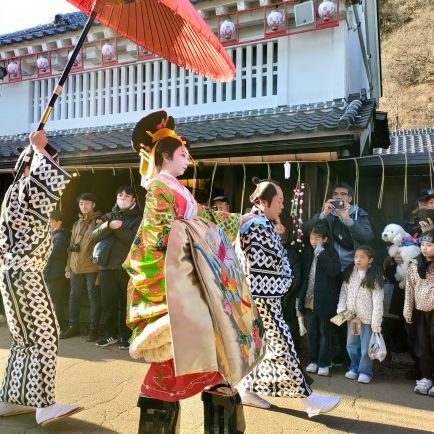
402	244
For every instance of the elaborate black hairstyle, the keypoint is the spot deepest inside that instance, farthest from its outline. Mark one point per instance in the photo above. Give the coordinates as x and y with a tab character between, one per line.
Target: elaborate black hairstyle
156	130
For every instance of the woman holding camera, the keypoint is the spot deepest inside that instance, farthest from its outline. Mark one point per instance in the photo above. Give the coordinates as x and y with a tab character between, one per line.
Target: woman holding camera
81	269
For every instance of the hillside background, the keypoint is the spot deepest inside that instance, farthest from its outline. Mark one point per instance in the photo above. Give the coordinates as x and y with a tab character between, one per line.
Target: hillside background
407	56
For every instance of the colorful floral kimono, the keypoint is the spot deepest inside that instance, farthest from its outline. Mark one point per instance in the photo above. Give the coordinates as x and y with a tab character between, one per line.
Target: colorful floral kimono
160	260
268	273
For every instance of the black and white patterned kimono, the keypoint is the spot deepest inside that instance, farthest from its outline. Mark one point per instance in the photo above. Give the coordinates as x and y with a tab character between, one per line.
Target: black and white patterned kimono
265	263
25	244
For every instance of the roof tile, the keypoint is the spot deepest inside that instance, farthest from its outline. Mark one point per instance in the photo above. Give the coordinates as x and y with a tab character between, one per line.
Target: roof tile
209	128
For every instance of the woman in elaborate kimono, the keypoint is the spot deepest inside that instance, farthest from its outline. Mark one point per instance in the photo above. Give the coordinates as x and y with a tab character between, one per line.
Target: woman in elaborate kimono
269	275
179	325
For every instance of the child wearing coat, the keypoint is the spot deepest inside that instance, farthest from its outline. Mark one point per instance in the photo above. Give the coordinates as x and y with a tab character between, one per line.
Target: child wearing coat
319	297
419	295
362	292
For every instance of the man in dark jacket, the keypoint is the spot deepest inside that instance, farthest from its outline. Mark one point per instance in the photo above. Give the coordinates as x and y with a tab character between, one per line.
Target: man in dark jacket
114	237
54	272
349	224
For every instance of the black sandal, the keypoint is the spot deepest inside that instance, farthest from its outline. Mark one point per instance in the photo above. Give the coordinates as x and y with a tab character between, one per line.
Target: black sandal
157	417
223	413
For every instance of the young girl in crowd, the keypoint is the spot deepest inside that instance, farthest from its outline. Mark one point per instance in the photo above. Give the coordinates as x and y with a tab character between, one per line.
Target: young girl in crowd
319	297
419	295
362	292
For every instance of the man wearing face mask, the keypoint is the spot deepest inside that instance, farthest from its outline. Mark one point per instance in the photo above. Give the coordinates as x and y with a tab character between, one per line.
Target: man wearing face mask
114	237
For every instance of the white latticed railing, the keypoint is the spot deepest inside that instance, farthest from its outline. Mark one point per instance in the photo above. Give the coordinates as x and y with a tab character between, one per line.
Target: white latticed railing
122	91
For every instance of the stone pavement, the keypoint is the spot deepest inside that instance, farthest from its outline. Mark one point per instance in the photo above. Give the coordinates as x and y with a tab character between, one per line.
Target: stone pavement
106	382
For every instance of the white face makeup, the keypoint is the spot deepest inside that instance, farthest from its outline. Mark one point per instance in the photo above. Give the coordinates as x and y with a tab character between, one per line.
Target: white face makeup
177	165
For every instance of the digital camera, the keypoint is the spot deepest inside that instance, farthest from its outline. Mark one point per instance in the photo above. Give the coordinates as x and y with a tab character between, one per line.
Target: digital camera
338	204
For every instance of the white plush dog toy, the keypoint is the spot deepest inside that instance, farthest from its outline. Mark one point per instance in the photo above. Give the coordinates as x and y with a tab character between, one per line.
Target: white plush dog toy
404	245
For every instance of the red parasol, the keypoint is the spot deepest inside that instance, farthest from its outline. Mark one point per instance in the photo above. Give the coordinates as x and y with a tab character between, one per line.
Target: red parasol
172	29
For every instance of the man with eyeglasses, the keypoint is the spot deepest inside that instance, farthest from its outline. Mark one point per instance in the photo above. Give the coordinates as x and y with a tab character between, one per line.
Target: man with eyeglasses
348	223
349	226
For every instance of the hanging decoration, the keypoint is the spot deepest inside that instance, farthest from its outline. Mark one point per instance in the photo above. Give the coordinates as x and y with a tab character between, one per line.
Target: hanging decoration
380	197
108	52
77	61
297	212
327	10
212	184
42	64
430	168
13	69
194	180
327	183
287	168
227	30
275	19
244	188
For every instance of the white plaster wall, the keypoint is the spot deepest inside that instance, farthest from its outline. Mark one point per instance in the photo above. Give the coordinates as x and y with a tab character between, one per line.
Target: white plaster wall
14	108
317	66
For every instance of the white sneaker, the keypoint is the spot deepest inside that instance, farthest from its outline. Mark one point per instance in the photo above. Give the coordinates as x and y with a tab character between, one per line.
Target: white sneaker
55	412
312	368
351	375
253	400
8	409
325	372
423	386
363	378
431	392
315	404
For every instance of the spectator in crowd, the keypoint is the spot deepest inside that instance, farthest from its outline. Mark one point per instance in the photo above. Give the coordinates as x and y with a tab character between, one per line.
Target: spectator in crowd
415	227
319	297
349	224
114	237
284	229
81	269
349	227
362	292
419	298
425	200
221	203
54	272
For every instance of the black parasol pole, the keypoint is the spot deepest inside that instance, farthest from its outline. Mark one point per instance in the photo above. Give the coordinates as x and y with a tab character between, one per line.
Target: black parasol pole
57	91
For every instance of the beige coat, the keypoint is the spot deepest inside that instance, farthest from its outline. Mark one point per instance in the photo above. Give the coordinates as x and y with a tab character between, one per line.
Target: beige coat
81	262
367	303
419	293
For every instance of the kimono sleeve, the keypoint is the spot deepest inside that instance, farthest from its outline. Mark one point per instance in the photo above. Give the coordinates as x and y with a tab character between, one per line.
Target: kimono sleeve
45	185
265	268
149	247
229	222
